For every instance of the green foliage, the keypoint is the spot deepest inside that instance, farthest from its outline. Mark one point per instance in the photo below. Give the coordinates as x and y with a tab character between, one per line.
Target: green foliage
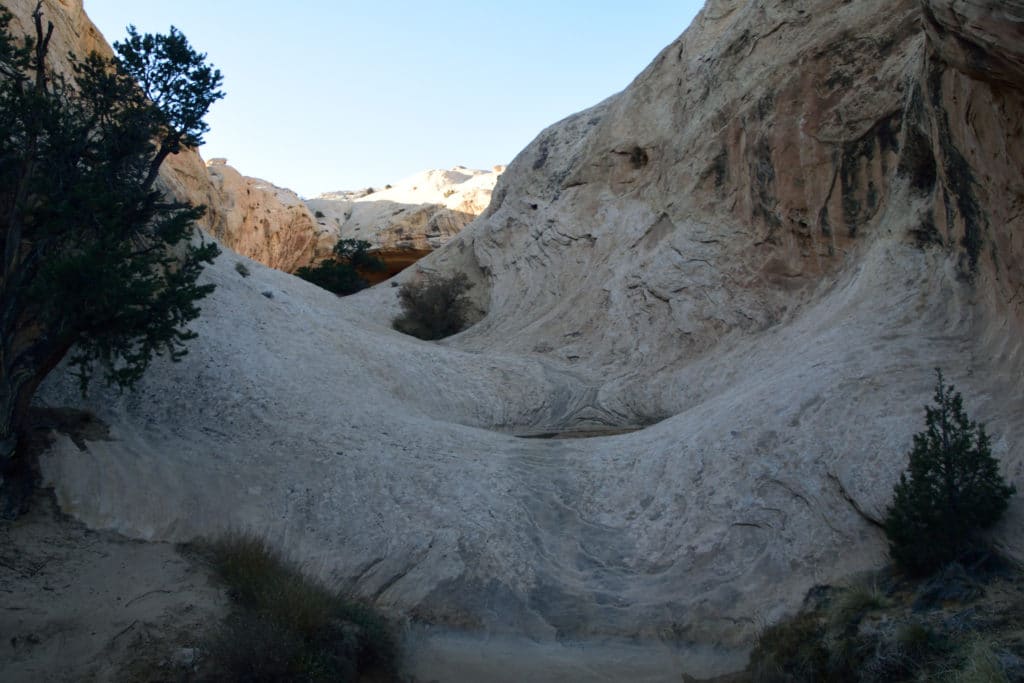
791	651
94	257
951	490
434	309
855	601
869	634
979	664
289	627
340	274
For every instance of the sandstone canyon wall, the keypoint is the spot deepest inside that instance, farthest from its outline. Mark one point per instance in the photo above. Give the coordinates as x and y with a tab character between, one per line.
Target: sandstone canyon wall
757	252
403	223
406	221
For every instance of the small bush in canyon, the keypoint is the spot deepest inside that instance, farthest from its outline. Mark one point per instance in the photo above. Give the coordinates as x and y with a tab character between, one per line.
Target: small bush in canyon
435	308
285	626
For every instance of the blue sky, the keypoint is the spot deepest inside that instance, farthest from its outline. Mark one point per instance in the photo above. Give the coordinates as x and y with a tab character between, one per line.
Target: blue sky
327	95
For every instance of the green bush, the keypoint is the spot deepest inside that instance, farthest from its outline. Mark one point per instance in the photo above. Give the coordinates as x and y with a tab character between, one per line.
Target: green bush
791	651
340	274
853	603
286	626
951	490
434	309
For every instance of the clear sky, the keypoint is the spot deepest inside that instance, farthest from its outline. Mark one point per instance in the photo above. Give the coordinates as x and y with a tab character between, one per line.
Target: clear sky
327	95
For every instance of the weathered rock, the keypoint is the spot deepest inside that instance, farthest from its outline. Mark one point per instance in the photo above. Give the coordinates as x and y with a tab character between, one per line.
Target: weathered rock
982	38
403	223
763	246
264	222
421	212
406	221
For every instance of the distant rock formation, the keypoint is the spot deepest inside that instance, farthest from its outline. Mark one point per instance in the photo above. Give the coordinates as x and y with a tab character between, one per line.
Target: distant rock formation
411	218
403	222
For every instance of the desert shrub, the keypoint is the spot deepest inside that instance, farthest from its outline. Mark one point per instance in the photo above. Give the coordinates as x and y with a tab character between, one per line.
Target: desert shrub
286	626
434	309
241	269
341	274
791	651
638	157
979	664
319	214
854	602
951	490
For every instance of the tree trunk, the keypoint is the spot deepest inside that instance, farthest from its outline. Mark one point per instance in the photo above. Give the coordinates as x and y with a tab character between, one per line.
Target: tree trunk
18	386
15	473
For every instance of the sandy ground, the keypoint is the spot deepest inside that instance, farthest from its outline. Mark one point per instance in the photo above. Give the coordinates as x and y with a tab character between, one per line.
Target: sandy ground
83	605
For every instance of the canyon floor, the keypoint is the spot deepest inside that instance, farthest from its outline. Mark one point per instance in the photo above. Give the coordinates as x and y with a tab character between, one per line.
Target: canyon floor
78	604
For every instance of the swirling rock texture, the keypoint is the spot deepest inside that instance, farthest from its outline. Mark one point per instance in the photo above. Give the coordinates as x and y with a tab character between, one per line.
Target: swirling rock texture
757	252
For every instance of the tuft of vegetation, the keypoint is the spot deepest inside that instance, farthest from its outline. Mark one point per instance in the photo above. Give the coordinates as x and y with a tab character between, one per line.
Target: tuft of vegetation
319	214
434	309
287	627
882	632
638	157
951	491
979	663
791	651
854	602
241	269
342	273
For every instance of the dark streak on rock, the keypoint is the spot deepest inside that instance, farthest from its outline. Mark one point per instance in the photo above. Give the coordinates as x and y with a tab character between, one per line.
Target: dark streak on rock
959	180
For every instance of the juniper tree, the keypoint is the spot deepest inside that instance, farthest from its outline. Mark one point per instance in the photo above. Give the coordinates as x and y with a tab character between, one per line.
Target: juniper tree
952	488
342	272
96	261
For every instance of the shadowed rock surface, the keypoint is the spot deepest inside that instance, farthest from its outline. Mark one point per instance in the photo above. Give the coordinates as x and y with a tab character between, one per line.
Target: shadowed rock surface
759	250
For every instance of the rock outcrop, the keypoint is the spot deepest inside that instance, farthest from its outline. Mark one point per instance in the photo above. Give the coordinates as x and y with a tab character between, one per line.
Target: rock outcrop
757	252
421	212
406	221
264	222
403	222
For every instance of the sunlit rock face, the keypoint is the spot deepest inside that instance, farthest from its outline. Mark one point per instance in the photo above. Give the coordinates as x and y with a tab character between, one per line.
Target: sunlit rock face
405	221
757	252
264	222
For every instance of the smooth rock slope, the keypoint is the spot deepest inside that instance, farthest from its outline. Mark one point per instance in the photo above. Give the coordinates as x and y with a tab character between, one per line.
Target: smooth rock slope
758	252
